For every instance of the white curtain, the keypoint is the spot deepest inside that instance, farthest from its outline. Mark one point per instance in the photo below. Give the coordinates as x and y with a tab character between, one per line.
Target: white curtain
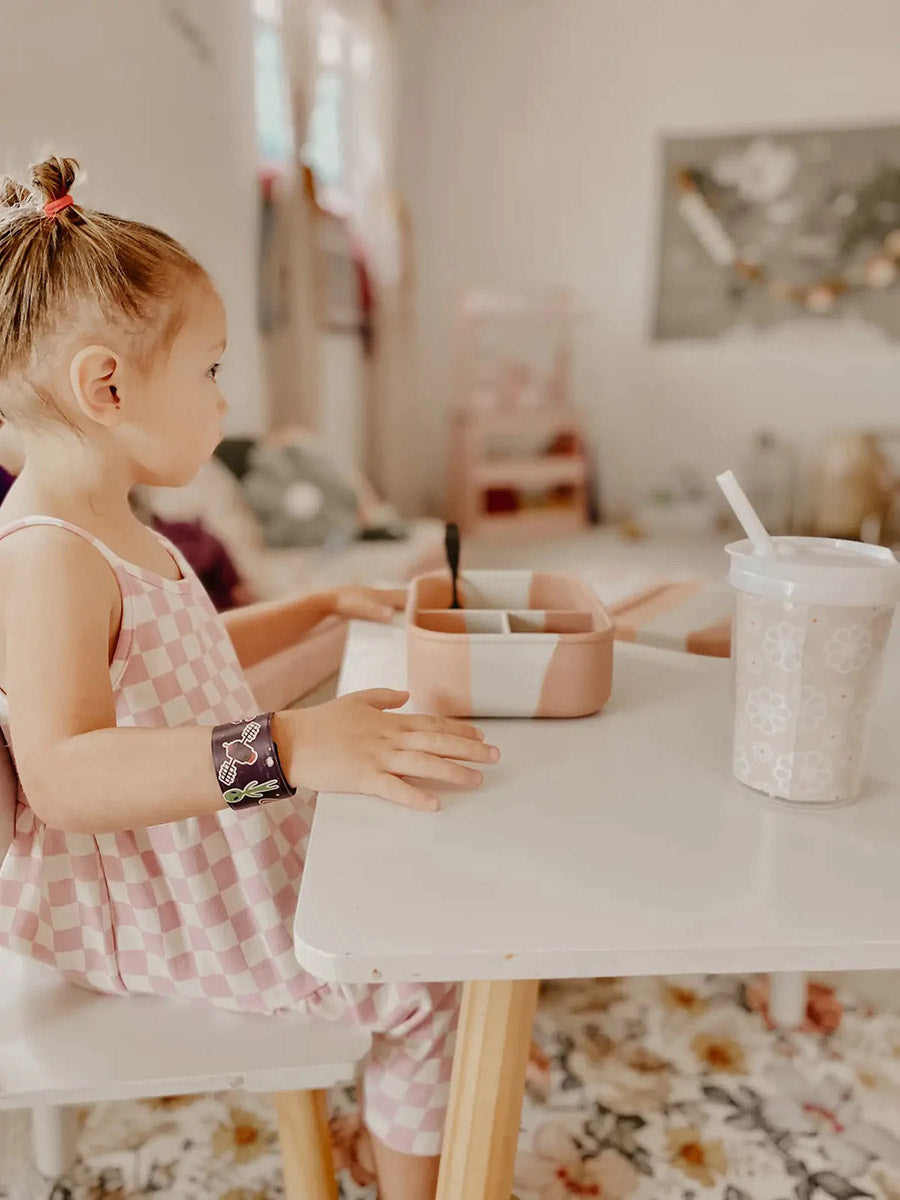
364	190
290	337
381	221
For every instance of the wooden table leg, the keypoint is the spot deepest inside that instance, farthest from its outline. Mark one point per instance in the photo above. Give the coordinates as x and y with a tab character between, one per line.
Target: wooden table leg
486	1090
305	1146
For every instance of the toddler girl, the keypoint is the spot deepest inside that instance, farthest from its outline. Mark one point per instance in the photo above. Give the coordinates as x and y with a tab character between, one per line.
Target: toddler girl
148	856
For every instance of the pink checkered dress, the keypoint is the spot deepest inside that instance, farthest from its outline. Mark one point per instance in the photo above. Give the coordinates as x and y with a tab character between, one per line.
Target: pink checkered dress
204	908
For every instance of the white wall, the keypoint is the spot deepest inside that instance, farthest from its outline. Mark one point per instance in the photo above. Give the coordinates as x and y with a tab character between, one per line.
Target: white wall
164	132
529	154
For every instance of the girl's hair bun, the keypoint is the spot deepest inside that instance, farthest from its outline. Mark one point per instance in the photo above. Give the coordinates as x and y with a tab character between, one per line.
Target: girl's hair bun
52	178
64	266
50	181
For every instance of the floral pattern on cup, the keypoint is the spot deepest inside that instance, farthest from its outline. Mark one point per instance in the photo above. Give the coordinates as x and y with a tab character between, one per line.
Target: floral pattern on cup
763	752
805	681
782	645
849	649
813	707
767	710
806	773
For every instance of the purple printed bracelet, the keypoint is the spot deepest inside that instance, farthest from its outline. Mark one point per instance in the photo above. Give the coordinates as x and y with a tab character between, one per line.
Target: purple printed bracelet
246	762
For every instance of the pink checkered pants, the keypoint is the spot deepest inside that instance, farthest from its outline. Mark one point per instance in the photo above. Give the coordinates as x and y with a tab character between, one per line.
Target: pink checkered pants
204	908
406	1081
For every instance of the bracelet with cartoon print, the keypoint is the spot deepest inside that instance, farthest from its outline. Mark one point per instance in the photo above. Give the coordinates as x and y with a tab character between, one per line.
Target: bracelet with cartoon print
246	762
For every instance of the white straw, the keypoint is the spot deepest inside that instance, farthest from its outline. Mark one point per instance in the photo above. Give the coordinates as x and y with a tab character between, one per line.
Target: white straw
745	513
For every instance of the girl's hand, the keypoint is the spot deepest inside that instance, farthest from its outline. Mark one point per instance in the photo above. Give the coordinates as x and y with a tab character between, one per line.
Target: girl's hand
368	604
353	745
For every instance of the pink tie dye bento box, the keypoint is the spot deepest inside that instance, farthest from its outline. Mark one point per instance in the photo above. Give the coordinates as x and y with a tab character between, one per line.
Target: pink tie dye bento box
524	644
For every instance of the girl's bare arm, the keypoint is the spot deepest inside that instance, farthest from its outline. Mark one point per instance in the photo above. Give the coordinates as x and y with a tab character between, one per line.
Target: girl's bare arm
58	598
260	630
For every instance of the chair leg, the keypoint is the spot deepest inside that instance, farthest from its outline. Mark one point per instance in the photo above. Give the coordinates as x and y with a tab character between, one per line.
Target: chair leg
305	1146
54	1134
787	999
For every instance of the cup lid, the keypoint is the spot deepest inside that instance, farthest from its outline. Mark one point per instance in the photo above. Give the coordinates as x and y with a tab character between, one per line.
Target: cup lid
817	571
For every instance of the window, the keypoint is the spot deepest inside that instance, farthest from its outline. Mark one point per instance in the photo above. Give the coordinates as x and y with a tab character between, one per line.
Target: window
328	135
329	143
348	138
274	135
340	121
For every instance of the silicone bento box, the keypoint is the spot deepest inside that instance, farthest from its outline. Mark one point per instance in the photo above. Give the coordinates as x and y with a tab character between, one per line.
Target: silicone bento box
524	644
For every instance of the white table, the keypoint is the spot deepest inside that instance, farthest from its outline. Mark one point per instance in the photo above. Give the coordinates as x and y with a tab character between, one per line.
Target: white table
616	845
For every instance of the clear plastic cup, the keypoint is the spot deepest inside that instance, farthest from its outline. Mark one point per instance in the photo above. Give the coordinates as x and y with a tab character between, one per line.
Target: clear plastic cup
810	627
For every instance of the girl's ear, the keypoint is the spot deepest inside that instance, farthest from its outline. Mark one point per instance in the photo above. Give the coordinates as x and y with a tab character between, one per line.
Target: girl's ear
92	376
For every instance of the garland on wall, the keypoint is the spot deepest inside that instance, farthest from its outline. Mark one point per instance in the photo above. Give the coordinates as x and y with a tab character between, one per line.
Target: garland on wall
870	241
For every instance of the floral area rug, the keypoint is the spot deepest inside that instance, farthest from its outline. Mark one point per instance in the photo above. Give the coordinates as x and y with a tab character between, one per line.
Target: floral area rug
651	1089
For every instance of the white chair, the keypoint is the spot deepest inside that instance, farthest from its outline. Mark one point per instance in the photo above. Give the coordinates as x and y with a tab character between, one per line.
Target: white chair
62	1045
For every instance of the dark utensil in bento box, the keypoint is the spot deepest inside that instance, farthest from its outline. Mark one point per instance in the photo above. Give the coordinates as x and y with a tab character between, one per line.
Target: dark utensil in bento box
451	542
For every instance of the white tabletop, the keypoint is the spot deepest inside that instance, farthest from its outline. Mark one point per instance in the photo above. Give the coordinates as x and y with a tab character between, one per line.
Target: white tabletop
616	845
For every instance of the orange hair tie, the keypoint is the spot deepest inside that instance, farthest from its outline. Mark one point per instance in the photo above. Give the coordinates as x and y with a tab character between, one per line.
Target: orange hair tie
53	207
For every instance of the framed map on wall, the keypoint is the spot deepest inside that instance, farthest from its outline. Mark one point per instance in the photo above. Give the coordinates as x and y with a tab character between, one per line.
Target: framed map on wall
768	228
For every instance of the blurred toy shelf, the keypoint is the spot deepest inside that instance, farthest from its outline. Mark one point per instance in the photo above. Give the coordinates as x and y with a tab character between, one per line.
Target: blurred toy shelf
526	495
518	463
546	471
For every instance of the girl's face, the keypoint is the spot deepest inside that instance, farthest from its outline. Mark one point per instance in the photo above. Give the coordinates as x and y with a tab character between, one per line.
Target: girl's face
174	413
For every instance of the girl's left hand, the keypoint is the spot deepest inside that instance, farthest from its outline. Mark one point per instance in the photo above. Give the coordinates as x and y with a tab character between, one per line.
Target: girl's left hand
369	604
